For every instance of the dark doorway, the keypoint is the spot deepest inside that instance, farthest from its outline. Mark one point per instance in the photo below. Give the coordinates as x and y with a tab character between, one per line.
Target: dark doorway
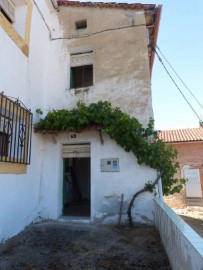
76	187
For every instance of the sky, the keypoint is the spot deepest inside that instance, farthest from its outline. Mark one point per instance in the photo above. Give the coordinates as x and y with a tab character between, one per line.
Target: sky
180	39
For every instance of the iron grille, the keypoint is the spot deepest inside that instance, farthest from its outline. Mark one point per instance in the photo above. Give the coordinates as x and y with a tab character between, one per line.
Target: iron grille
15	131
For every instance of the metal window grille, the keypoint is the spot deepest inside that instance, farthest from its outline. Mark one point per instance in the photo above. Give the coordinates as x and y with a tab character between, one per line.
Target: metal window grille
15	131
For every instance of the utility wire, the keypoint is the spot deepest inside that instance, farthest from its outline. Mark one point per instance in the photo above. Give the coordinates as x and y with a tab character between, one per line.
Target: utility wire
99	32
47	26
176	84
179	77
85	35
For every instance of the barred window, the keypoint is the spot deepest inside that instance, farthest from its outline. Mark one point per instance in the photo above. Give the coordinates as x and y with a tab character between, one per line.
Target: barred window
3	144
15	131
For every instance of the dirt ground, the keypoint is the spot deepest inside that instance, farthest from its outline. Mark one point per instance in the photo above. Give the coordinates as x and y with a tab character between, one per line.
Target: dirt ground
193	216
59	246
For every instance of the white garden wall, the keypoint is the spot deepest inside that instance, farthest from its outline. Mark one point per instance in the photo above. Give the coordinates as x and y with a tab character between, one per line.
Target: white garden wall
183	245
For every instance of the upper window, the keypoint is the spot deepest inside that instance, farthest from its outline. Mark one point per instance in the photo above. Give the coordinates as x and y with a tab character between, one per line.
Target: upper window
15	131
81	24
81	73
81	76
15	19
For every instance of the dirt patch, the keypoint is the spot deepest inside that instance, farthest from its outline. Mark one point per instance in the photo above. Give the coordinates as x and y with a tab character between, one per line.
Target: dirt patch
60	246
193	216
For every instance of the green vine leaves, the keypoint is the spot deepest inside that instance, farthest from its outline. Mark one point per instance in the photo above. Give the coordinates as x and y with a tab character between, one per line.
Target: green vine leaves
127	131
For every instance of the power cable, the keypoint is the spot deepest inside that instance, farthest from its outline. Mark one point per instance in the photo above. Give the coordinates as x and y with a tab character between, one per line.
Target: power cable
179	78
42	16
176	84
98	32
85	35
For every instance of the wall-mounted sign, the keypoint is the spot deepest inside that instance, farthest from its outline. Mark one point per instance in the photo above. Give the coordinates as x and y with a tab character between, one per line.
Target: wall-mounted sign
110	165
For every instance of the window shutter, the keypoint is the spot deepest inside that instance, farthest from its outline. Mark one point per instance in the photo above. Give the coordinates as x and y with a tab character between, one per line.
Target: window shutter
82	59
76	150
8	8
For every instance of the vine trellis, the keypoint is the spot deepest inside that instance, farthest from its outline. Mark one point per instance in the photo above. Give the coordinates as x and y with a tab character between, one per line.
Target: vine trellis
127	131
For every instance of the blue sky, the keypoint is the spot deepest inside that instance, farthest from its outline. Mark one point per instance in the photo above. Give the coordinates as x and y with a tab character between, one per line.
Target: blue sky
181	41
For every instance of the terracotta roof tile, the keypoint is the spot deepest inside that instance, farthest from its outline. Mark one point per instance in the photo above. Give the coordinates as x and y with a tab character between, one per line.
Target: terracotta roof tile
136	6
181	135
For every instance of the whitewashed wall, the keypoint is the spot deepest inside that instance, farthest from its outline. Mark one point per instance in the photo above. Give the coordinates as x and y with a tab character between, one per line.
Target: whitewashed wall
106	187
23	78
183	245
121	76
42	81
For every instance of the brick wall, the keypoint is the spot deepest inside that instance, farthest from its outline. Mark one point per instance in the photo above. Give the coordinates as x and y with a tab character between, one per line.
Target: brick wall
188	154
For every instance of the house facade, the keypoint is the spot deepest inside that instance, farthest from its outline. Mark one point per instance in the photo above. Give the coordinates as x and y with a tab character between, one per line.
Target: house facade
54	54
189	145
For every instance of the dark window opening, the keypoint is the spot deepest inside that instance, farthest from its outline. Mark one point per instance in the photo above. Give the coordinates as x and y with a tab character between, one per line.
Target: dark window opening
81	24
4	144
81	76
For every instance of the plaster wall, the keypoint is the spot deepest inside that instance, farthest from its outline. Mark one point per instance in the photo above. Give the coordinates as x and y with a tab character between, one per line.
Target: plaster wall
20	16
106	187
120	60
121	75
24	78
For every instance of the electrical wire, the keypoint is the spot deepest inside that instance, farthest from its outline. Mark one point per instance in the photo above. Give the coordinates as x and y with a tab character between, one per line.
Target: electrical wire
85	35
200	120
179	78
98	32
42	16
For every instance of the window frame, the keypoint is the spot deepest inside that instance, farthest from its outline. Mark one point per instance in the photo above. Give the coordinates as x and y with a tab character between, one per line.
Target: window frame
82	24
81	62
22	40
15	131
86	79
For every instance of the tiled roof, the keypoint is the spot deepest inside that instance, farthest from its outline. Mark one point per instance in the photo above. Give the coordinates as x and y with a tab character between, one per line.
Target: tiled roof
181	135
136	6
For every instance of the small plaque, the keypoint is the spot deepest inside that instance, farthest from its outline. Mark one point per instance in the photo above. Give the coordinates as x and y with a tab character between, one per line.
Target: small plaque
110	165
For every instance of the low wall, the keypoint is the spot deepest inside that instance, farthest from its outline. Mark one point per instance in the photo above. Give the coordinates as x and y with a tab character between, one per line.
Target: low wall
182	244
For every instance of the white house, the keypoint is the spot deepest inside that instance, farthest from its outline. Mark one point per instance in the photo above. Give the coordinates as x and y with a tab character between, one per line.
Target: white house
54	54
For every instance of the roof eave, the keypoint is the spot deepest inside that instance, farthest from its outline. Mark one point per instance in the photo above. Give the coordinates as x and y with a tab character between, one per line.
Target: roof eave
156	30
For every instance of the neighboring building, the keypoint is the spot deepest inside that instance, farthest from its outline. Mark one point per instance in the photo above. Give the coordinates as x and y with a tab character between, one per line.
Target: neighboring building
189	144
54	54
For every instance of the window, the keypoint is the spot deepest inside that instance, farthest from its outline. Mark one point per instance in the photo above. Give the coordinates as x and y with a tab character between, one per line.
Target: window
81	24
3	144
81	73
15	131
8	9
15	19
81	76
